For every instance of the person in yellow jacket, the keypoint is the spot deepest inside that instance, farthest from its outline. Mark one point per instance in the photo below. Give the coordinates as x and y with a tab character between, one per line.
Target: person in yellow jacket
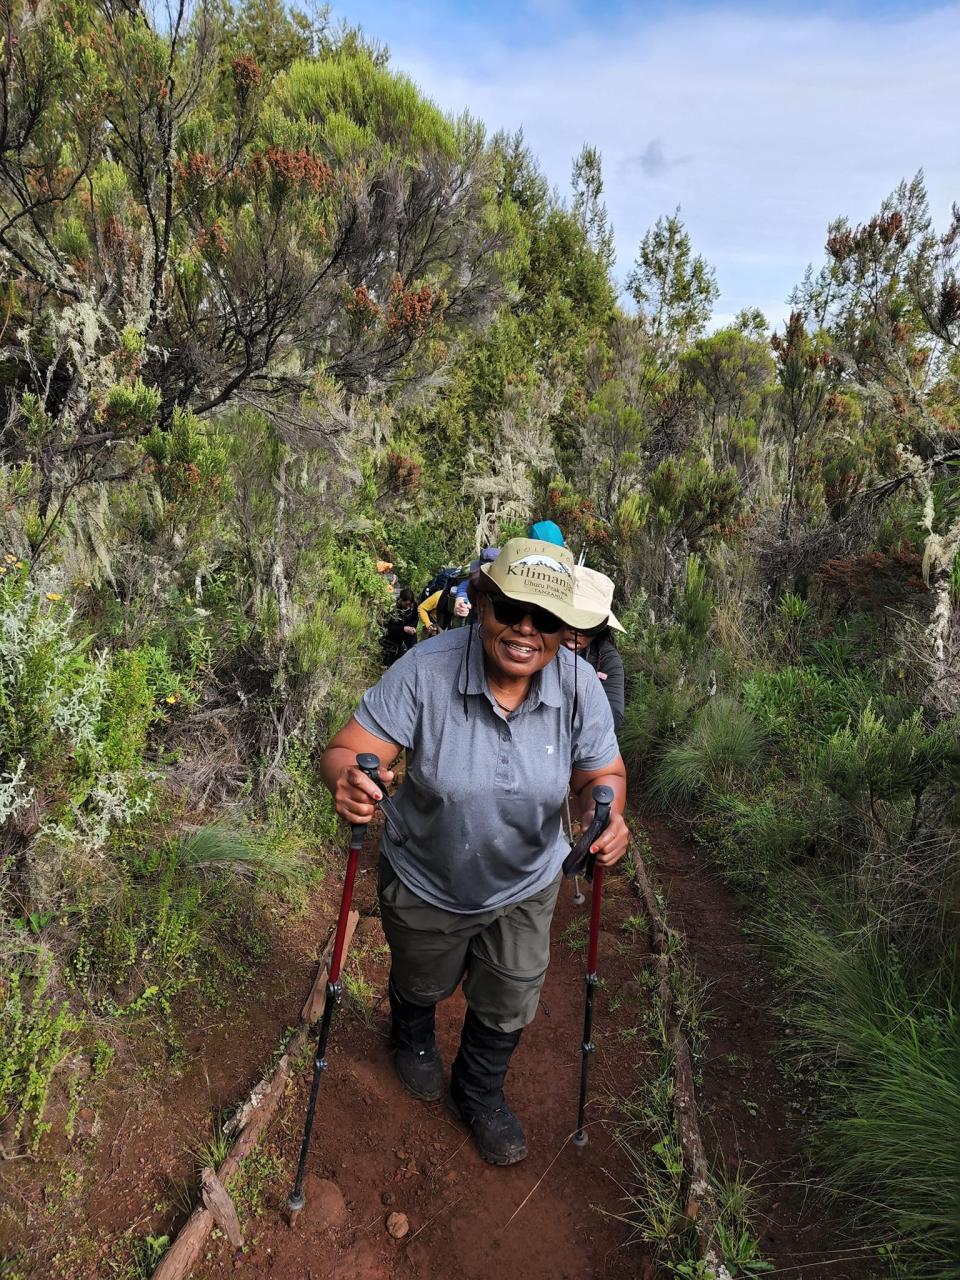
427	610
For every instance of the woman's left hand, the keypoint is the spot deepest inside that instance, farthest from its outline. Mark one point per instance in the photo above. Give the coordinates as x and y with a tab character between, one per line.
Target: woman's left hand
613	841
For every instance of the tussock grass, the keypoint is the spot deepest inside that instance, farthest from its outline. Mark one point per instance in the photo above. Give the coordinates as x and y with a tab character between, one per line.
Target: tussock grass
723	743
887	1056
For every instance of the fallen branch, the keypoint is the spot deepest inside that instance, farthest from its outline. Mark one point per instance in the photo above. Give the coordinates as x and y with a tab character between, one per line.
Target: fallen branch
701	1206
252	1119
217	1199
313	1005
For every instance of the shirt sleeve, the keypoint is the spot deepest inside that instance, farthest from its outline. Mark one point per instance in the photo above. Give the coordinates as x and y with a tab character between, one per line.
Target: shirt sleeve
594	741
390	709
428	606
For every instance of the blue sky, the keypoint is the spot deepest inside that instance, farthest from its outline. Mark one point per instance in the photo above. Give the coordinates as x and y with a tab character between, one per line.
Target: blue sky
762	122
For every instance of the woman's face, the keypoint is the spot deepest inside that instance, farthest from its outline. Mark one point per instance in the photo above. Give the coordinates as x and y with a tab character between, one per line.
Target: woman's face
575	641
517	649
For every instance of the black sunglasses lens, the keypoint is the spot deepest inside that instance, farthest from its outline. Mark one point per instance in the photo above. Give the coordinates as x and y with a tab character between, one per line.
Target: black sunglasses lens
507	611
545	622
510	612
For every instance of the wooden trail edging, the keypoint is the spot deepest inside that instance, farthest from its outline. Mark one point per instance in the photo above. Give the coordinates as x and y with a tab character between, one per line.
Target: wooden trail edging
701	1206
251	1121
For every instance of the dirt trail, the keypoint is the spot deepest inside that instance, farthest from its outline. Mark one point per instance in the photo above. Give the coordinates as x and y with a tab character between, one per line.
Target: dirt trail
387	1153
751	1115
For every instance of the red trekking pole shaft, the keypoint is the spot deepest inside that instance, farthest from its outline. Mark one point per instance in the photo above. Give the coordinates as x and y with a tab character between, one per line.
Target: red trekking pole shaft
603	798
370	765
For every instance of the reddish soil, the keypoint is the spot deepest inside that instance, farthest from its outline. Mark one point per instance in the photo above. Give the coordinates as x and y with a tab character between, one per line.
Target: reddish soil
86	1210
388	1154
750	1113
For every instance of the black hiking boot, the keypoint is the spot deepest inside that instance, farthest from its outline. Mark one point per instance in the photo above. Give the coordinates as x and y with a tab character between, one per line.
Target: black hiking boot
476	1091
415	1053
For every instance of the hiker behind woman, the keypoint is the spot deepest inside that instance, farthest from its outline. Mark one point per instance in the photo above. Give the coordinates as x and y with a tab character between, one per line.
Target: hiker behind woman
593	591
462	604
497	721
400	629
427	612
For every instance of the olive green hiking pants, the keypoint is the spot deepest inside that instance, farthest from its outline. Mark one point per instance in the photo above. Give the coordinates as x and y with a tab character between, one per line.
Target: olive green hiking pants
504	952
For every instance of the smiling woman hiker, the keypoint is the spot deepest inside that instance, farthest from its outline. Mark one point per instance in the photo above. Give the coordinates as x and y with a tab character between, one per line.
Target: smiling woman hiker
495	728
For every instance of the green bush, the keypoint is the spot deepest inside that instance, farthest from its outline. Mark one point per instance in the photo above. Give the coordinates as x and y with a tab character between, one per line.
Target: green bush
37	1031
754	837
175	912
885	762
655	715
886	1053
722	744
71	726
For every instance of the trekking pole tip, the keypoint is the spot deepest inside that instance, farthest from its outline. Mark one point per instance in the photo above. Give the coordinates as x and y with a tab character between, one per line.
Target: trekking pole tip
580	1138
295	1202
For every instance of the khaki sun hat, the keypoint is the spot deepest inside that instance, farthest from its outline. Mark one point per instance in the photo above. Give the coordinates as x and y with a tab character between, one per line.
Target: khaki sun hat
594	591
541	574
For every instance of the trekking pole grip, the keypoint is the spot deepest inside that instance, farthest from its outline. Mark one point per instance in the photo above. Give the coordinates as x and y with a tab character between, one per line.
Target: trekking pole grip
369	764
603	798
580	859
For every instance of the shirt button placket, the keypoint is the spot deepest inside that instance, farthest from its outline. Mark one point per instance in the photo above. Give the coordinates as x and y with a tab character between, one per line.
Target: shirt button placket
503	776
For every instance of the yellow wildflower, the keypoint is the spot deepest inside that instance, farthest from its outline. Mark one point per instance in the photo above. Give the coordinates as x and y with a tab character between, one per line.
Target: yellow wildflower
54	595
171	698
9	558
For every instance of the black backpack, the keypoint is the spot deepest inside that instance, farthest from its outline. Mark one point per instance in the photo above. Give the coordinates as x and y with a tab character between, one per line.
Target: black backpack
441	581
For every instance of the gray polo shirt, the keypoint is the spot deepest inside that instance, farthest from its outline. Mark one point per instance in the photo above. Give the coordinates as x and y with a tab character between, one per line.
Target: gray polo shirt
481	798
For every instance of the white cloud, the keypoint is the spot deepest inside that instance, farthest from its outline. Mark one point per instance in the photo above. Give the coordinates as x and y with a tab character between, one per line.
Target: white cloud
761	127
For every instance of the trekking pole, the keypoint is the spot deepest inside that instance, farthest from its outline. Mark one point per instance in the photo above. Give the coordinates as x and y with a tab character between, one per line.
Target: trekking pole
580	856
370	765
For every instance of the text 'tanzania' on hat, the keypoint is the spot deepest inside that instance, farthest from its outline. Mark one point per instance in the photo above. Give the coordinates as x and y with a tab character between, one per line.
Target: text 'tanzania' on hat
541	574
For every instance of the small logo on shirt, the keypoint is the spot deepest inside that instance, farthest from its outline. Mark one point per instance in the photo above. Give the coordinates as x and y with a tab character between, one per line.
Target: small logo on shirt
550	751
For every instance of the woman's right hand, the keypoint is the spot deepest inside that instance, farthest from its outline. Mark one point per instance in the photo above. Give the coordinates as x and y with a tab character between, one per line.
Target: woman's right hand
355	796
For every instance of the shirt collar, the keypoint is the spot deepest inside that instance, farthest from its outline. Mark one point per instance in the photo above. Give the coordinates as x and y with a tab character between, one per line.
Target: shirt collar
545	687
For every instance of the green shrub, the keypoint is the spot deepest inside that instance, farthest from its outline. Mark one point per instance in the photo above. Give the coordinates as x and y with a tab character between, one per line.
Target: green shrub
722	744
129	712
37	1032
655	716
753	837
886	1054
71	726
802	704
175	911
885	763
696	604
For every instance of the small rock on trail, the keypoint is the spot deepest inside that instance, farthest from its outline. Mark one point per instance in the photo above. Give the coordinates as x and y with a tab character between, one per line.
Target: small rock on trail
398	1225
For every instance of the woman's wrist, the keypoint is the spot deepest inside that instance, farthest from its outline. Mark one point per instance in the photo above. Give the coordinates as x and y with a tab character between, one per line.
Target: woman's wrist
334	762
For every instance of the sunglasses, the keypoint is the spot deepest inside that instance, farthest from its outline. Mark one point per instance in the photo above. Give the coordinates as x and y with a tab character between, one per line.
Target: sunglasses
510	612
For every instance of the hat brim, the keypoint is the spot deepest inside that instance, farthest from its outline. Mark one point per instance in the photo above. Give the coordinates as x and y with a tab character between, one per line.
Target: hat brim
613	621
578	619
